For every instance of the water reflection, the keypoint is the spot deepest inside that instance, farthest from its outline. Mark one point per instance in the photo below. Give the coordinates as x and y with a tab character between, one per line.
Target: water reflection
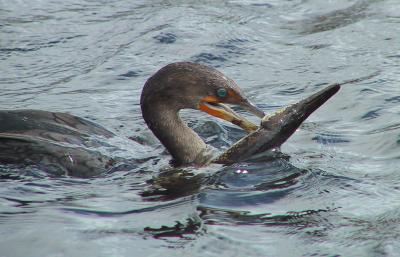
333	192
336	19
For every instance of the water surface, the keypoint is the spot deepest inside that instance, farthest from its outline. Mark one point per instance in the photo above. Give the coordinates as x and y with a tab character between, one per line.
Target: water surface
333	190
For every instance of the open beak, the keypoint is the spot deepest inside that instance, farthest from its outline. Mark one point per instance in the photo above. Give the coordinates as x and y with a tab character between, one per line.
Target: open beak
212	106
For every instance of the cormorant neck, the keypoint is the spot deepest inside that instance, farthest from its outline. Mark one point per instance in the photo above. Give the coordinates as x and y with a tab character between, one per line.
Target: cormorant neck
185	146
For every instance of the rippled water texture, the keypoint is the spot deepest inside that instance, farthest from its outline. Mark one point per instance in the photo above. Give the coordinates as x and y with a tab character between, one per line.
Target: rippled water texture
332	190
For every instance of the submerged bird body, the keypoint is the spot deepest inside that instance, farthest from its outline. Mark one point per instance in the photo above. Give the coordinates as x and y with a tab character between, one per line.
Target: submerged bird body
55	142
61	140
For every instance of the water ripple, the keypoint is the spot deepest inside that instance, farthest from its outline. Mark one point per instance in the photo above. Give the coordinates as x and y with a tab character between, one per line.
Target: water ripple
331	190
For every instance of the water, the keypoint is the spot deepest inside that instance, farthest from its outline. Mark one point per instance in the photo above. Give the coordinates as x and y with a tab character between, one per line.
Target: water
333	191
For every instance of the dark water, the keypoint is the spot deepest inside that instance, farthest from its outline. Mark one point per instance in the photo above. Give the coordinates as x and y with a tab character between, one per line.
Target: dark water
334	190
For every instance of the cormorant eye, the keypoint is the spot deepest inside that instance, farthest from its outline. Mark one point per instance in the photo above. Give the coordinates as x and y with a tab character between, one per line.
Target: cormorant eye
221	92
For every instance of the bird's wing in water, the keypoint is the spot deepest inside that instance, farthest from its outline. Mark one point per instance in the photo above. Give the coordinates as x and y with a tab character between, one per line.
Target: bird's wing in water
57	159
59	127
277	128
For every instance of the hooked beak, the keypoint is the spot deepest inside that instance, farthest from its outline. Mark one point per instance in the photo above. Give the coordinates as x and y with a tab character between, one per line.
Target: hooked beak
214	107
